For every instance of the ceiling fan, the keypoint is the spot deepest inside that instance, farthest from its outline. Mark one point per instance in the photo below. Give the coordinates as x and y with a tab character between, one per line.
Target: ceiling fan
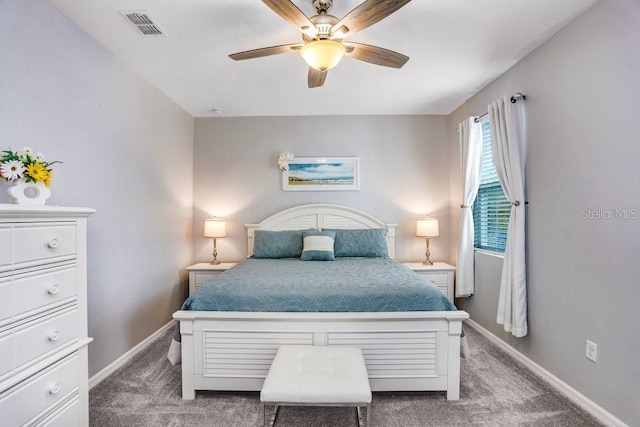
323	36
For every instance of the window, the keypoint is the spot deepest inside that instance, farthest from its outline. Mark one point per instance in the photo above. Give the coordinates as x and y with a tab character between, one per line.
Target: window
491	208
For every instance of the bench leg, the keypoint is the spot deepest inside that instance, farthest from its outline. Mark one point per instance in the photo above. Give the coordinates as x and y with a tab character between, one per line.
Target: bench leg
360	421
271	417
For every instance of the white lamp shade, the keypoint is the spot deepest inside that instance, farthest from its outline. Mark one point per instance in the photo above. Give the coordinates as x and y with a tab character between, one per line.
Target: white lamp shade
427	227
214	228
322	55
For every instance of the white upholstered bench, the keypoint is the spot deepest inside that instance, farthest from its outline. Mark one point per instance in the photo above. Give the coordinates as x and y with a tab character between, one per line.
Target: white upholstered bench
306	375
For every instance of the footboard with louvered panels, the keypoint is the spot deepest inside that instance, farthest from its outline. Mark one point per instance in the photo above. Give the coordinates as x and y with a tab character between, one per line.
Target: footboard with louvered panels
417	351
43	316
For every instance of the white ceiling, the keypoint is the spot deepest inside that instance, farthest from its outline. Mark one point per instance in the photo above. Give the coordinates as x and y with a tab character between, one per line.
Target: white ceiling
456	48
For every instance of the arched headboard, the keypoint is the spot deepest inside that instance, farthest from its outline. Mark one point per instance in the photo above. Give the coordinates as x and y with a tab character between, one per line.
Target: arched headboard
321	216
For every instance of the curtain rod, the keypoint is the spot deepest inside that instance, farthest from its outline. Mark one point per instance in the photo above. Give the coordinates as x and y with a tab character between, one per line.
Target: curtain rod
514	99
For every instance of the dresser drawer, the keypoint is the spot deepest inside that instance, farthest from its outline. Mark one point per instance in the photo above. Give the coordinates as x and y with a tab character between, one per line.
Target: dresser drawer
67	415
5	301
39	393
35	244
39	338
5	248
37	292
6	352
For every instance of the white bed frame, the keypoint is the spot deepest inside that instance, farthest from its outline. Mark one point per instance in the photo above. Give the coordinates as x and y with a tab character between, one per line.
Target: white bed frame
403	350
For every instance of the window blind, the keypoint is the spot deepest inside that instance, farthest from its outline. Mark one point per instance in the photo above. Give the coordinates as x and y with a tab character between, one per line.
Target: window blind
491	208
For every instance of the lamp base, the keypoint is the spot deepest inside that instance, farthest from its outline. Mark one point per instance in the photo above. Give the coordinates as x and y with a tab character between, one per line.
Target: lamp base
427	255
215	261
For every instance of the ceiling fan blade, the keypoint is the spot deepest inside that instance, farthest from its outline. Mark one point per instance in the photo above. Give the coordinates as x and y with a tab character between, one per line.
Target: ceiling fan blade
365	15
266	51
376	55
316	78
290	13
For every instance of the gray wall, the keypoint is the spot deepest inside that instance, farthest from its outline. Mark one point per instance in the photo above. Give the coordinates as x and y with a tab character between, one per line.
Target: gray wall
582	107
403	171
127	151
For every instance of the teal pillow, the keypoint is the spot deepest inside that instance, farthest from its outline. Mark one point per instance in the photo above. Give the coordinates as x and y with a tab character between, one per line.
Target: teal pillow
277	244
318	246
366	242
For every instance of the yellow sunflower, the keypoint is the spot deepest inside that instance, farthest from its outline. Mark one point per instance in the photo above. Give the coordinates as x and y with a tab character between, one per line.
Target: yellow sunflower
37	172
47	178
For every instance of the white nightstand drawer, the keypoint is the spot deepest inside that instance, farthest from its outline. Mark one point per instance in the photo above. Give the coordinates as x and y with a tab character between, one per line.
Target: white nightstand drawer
436	278
33	396
202	277
202	272
440	273
444	289
43	243
39	338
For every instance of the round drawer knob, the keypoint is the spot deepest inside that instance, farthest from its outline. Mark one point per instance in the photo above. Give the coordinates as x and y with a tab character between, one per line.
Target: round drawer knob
53	243
54	336
53	289
54	389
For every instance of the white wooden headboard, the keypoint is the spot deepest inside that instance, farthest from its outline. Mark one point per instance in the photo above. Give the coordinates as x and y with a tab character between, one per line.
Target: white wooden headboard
321	216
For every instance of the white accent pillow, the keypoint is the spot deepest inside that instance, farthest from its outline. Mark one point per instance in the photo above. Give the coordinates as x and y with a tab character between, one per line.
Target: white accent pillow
318	246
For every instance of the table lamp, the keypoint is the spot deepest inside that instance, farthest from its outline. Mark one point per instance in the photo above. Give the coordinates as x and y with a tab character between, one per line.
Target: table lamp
215	228
427	227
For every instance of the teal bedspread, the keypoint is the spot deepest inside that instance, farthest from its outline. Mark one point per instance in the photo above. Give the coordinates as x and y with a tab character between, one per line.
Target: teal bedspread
343	285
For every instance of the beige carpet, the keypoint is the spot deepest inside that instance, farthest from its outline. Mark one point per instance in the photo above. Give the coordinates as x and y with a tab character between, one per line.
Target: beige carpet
495	391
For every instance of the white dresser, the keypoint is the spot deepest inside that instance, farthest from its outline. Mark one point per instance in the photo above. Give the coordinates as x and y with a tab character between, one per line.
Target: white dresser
43	316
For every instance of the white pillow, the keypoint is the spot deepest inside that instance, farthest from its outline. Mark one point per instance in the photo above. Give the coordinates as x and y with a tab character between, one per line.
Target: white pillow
318	246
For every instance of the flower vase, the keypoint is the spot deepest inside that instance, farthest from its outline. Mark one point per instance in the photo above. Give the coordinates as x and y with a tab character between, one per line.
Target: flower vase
29	193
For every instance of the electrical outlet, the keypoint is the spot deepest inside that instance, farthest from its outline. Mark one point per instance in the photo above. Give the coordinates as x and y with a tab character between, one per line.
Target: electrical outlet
592	351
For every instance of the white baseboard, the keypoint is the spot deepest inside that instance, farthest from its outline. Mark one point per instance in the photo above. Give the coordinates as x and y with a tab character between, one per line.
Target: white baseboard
574	395
120	361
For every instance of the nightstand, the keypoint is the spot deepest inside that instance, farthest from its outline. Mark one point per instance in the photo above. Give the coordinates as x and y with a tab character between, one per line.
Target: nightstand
440	273
203	271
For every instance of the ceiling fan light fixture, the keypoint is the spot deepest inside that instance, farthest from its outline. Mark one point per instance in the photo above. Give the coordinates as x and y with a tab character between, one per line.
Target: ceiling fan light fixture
322	55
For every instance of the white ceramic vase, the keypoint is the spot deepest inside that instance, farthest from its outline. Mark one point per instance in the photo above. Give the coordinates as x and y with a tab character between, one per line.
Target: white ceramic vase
29	193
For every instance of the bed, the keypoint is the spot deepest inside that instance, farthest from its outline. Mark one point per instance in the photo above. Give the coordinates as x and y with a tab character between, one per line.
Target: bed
404	350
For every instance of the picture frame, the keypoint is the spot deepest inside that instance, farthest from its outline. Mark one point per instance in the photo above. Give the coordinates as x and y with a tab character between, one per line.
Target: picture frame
322	174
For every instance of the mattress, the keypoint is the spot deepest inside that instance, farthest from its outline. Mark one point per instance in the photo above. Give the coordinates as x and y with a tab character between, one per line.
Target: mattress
343	285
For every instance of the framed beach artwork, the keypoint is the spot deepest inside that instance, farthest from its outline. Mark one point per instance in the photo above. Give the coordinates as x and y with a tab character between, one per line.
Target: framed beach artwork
322	174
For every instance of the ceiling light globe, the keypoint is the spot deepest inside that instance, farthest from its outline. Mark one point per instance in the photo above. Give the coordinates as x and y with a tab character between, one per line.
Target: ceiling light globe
322	55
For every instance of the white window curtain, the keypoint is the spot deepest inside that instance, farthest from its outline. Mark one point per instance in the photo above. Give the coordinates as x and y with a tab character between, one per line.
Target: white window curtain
509	151
470	134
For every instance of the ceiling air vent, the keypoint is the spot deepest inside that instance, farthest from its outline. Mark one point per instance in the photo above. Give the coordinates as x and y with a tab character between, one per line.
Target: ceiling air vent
143	22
